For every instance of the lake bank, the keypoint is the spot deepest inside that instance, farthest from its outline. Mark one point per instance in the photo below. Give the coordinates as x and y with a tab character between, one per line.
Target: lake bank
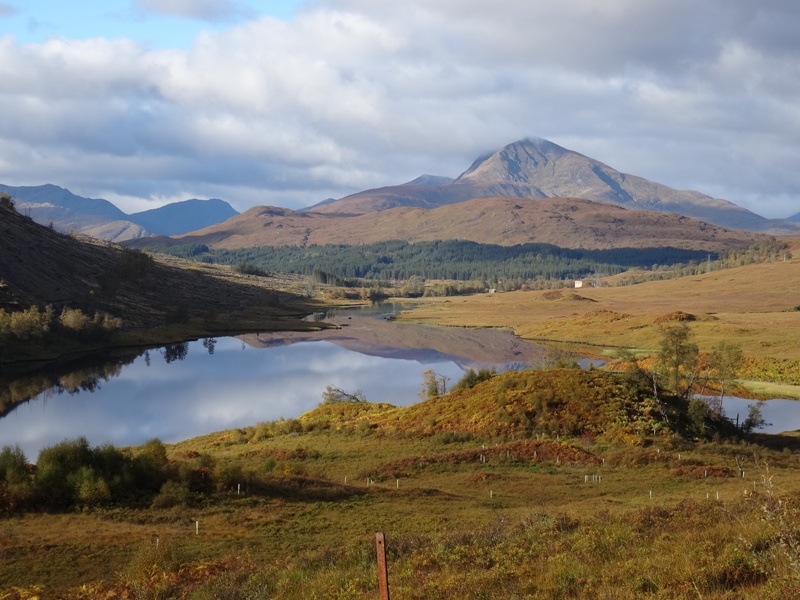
189	388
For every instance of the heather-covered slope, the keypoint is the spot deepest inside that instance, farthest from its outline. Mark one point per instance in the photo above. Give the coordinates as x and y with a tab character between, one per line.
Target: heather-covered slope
565	222
39	266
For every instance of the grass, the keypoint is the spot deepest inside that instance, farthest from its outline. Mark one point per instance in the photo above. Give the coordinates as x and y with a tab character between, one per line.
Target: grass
750	306
545	515
530	485
765	389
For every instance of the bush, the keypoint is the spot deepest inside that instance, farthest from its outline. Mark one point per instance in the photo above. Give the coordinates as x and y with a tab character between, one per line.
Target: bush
30	323
173	493
150	465
250	269
7	202
72	472
13	465
471	378
74	319
58	473
90	487
36	323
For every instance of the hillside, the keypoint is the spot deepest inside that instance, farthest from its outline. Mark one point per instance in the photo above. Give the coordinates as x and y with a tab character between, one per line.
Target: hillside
39	266
553	484
565	222
755	306
537	168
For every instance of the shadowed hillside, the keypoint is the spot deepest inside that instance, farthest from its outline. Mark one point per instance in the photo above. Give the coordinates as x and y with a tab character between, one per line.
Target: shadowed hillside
39	266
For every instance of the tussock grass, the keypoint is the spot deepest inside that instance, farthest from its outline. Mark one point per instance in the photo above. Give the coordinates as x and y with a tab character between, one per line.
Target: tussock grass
752	306
472	506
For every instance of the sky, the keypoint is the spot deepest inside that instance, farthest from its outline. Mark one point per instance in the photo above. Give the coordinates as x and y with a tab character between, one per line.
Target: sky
145	102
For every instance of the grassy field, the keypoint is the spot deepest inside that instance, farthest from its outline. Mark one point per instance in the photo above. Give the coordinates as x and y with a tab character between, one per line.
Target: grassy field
539	484
754	306
492	492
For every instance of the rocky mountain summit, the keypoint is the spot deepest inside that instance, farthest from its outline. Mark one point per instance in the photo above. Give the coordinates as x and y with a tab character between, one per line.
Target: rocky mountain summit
538	168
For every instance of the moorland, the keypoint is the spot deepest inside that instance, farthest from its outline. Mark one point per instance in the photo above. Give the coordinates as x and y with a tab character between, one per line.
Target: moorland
543	483
614	482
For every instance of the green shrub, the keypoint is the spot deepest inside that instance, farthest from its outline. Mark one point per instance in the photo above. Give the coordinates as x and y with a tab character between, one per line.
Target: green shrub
228	475
471	378
173	493
250	269
57	470
13	465
90	487
72	472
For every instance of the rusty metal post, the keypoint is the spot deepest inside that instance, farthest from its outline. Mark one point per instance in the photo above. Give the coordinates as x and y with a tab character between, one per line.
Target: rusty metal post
383	571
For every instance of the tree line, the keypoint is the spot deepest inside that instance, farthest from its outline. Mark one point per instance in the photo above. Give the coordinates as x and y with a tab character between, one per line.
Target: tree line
73	473
34	323
457	260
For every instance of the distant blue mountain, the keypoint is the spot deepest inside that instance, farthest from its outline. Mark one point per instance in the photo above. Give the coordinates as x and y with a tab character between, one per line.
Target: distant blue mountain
58	196
52	205
182	217
795	218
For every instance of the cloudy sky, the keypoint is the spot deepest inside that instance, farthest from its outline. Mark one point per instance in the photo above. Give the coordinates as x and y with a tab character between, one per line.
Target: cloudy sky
144	102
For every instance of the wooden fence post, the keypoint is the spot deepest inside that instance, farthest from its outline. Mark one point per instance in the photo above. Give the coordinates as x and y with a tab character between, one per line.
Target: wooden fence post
383	571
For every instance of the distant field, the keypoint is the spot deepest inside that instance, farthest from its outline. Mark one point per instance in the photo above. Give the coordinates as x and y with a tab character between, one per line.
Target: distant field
756	306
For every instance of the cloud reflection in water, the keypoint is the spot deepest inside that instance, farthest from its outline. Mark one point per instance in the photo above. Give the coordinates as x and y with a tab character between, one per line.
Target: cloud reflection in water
241	385
237	386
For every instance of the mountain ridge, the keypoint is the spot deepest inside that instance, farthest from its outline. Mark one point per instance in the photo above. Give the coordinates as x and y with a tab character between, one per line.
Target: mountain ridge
184	216
50	204
538	168
565	222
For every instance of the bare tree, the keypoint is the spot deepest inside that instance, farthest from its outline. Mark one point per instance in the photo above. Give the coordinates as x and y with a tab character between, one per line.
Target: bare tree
333	394
433	384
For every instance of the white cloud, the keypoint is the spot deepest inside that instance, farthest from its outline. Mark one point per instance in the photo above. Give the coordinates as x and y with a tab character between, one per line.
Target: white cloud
351	94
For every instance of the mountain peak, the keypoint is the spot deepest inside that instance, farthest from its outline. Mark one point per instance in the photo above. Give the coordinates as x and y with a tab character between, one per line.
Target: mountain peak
538	168
515	163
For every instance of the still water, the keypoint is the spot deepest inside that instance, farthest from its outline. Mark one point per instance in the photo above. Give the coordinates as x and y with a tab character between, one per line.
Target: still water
192	389
238	385
182	391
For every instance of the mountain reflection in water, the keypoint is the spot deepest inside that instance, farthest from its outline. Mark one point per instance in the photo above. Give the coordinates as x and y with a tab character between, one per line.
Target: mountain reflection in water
189	389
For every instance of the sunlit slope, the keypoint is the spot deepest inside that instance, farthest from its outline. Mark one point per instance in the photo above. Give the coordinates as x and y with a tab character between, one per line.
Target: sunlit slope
564	222
754	306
